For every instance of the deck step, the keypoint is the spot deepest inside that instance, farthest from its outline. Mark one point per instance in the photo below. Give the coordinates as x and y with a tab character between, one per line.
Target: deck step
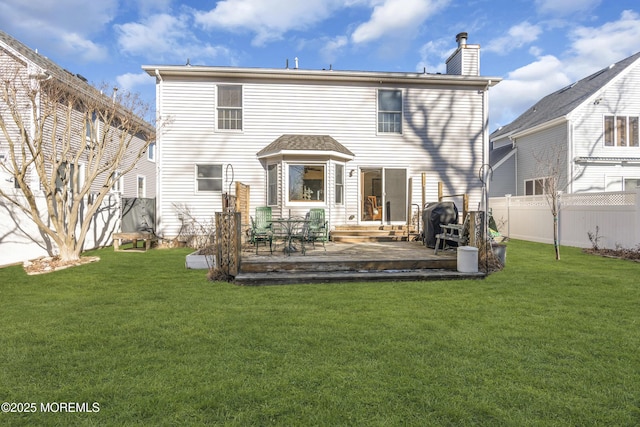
285	278
371	233
348	238
322	266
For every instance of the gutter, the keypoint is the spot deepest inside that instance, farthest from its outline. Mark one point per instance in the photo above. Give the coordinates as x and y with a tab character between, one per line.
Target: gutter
321	75
538	128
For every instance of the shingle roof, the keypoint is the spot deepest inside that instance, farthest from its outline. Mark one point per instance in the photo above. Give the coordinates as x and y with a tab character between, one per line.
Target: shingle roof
305	143
498	154
74	81
565	100
45	63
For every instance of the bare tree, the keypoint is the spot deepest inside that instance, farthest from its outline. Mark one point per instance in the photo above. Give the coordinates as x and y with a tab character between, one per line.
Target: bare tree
67	144
551	167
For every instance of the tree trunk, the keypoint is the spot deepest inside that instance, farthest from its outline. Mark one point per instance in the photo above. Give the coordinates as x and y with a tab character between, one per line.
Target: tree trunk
556	244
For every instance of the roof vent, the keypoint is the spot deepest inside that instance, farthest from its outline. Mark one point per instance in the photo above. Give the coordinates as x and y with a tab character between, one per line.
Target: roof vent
461	38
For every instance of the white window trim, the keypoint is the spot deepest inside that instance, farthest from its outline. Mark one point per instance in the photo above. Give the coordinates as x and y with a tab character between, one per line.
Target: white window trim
311	202
217	107
144	186
195	179
544	186
615	133
335	183
150	157
402	124
118	185
276	184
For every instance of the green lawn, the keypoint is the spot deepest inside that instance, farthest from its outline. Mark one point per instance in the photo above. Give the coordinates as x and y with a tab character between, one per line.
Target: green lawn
542	342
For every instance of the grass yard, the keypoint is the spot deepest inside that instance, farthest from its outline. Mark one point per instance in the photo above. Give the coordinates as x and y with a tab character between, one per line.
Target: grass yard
542	342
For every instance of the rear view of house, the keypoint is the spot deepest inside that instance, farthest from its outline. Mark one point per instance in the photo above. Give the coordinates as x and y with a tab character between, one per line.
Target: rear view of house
357	144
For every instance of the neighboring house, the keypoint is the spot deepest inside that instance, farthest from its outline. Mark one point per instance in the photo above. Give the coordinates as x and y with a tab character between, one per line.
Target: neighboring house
141	182
339	140
589	128
20	240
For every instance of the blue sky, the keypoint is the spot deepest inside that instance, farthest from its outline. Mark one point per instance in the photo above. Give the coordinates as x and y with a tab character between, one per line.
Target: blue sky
536	46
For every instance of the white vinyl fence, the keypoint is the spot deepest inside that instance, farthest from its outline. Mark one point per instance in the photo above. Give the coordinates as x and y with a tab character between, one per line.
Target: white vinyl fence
616	216
21	240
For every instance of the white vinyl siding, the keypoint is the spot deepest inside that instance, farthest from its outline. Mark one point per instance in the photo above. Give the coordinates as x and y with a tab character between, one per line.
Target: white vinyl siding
441	135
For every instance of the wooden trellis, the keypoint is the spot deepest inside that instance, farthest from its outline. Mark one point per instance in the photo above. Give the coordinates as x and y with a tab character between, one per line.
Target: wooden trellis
228	242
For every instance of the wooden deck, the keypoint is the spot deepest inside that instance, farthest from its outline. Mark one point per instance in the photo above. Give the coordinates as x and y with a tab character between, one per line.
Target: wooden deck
345	262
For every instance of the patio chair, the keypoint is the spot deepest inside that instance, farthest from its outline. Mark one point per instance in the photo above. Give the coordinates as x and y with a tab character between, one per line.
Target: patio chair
262	227
455	233
318	227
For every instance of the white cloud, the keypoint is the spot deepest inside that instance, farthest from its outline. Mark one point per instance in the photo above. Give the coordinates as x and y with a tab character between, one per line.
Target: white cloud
592	48
165	37
396	17
440	50
524	86
565	7
84	48
63	26
129	81
517	36
333	48
268	19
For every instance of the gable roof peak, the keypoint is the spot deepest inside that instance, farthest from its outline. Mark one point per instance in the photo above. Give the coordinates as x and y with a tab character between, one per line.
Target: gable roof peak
563	101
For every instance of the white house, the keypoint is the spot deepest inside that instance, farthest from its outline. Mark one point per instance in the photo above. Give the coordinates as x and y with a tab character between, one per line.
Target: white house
304	138
14	55
589	129
79	141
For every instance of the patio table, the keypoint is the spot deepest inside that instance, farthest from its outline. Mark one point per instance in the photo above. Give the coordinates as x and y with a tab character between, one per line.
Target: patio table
289	229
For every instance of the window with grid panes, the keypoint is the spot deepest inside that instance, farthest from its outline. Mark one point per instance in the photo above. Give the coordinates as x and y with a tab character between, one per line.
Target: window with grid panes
229	104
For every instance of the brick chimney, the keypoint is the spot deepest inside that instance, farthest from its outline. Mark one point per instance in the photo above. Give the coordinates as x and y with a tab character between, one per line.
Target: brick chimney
465	61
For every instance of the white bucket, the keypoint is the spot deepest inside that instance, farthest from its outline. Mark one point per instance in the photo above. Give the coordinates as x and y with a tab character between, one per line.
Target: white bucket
467	259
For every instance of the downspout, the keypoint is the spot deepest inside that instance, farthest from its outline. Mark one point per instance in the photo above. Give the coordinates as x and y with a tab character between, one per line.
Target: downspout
570	163
485	154
158	153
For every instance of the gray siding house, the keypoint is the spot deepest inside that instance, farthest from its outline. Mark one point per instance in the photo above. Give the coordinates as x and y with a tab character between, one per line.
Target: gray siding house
333	139
589	127
27	70
14	55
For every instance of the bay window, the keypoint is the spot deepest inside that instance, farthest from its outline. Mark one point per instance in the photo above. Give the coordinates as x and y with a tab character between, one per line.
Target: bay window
306	183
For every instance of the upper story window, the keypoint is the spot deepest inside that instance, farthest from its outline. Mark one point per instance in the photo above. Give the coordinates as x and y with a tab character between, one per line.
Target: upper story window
118	182
90	125
142	186
209	177
389	111
621	131
229	107
65	178
151	152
